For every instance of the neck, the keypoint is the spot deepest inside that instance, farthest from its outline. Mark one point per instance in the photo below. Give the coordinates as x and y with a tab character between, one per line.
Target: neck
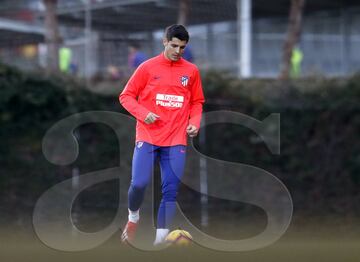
167	57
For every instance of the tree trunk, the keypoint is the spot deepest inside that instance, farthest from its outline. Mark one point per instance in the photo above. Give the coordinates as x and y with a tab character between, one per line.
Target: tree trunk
293	36
52	35
184	11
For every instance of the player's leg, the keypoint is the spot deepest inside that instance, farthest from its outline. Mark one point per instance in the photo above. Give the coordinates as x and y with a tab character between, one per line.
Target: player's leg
142	169
172	164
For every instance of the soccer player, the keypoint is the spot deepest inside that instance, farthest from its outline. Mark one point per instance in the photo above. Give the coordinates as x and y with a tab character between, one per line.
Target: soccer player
165	96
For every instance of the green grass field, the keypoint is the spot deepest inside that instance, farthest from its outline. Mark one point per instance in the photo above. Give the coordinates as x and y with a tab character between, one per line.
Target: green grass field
295	246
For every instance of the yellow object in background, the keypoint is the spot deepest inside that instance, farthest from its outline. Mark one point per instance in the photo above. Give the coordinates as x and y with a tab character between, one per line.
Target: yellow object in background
29	51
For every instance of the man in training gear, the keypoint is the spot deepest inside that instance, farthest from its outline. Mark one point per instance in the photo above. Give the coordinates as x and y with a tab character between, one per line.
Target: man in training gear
165	96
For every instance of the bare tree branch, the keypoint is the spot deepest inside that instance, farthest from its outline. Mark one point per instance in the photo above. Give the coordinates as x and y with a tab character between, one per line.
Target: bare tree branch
52	35
293	35
184	11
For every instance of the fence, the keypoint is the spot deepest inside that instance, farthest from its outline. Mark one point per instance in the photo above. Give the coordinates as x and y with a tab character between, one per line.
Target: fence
330	43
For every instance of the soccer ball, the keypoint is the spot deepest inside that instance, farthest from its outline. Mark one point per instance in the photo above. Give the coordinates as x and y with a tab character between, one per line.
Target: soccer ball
179	237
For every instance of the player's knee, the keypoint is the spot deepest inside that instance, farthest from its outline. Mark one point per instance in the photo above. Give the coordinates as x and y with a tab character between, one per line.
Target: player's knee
170	194
170	197
137	188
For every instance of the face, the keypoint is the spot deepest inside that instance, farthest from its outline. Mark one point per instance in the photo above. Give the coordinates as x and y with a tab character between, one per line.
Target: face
174	48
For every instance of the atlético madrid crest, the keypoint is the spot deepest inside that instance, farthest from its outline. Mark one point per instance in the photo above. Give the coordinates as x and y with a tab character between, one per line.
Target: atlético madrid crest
184	80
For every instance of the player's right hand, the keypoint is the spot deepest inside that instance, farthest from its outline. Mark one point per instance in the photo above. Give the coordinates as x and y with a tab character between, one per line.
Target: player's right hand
151	118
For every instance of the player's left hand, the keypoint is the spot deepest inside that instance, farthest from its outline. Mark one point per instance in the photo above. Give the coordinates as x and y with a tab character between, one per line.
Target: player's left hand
191	130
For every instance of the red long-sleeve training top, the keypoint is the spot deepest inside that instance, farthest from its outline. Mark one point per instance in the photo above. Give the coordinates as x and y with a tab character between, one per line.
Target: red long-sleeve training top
170	89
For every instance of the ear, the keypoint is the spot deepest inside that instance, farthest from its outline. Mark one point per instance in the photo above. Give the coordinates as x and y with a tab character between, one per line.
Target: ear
165	41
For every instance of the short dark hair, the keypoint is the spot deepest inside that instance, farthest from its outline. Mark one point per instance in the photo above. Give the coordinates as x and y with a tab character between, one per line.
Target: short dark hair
178	31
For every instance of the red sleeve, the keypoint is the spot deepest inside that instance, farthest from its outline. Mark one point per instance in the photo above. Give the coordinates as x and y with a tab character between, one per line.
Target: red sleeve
128	97
197	100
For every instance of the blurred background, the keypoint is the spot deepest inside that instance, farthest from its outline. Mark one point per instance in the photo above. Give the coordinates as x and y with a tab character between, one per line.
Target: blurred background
243	37
294	57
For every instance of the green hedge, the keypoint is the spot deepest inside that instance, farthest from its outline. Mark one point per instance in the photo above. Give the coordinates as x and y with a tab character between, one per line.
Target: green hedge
320	127
30	104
